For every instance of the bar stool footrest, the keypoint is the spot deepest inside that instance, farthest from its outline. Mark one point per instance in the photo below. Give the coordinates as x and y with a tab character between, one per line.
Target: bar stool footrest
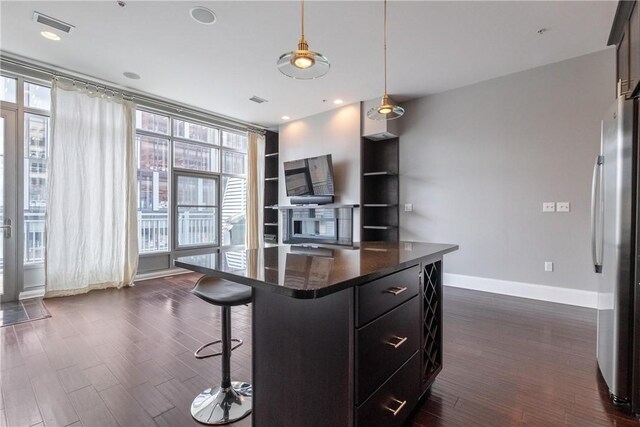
218	353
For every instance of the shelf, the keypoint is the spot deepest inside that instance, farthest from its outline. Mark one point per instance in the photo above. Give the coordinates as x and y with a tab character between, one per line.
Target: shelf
379	205
379	227
274	178
380	173
271	224
327	206
271	155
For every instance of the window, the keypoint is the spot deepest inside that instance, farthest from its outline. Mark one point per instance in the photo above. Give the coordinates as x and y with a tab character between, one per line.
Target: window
196	210
8	89
36	96
195	132
234	205
37	102
195	157
153	189
200	165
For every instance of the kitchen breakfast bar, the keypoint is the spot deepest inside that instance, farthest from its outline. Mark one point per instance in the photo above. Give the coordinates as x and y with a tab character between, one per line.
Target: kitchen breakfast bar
341	336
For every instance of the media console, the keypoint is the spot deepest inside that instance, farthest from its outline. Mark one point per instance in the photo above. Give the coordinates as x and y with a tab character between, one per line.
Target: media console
330	224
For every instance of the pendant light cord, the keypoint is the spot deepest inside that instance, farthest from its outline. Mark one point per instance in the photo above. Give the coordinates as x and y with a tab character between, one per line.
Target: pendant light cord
302	18
385	47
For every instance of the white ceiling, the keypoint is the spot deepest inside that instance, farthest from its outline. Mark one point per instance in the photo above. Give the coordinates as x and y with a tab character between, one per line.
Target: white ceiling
433	47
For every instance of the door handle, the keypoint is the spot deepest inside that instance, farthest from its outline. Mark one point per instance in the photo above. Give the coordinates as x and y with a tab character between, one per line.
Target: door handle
7	228
596	192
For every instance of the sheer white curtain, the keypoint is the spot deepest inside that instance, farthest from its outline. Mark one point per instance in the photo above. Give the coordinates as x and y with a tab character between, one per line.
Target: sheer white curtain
255	189
91	224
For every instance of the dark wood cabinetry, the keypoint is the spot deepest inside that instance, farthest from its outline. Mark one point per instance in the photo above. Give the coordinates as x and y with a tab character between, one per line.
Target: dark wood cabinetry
625	35
271	164
380	189
363	374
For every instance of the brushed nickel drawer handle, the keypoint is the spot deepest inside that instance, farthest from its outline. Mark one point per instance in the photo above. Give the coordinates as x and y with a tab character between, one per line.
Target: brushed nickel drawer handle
397	344
395	411
395	290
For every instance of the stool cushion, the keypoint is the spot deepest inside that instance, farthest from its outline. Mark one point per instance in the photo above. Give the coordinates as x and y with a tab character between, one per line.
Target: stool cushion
222	292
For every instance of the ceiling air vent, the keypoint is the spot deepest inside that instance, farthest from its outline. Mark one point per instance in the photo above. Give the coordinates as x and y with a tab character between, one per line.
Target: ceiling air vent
257	99
52	22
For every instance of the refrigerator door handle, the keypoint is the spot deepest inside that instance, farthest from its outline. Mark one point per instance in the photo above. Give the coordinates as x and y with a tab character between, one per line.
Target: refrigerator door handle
596	214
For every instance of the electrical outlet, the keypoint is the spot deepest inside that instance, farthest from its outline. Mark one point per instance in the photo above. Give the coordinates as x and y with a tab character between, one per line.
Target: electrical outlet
548	207
548	266
408	207
563	207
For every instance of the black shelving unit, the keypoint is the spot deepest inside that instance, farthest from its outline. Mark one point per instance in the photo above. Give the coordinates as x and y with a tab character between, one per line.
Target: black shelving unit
271	165
380	189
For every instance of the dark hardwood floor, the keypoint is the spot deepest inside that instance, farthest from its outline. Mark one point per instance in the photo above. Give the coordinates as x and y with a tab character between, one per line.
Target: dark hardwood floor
126	358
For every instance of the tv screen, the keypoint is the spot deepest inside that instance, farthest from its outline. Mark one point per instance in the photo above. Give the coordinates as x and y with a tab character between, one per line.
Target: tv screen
309	177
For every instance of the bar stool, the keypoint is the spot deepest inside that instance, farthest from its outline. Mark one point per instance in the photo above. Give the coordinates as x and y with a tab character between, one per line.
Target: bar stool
231	400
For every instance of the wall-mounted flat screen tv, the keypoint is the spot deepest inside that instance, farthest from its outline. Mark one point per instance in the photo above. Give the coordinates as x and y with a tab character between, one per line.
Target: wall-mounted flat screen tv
309	177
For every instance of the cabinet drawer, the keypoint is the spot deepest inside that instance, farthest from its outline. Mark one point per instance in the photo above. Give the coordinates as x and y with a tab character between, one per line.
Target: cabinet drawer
392	403
384	345
379	296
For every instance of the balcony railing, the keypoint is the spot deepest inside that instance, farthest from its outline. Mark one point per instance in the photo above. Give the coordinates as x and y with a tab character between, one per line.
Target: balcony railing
196	229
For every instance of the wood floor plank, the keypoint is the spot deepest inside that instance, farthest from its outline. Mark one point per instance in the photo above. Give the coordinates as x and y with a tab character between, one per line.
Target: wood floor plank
126	410
153	402
53	401
20	405
92	410
73	378
100	377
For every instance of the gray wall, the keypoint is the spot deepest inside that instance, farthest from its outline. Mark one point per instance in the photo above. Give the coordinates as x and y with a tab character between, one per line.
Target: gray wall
336	132
477	163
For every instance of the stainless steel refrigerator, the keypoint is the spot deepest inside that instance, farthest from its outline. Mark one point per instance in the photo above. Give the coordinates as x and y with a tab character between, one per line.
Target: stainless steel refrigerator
614	213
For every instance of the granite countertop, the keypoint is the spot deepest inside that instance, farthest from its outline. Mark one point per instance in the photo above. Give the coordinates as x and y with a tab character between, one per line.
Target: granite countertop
311	271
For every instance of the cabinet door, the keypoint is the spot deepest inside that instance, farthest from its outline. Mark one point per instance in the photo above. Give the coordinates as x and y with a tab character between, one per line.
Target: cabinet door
634	50
623	61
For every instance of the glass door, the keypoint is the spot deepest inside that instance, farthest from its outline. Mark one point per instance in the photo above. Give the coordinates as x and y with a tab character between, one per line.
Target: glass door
8	205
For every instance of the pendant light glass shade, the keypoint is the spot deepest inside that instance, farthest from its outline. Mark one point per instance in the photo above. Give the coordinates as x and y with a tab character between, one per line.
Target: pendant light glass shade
303	63
387	110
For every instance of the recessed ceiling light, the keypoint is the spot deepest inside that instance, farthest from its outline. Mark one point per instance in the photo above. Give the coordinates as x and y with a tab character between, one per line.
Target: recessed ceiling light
285	117
130	75
338	101
203	15
49	35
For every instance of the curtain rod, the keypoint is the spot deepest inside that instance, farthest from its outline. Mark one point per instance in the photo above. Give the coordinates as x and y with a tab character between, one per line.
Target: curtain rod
133	95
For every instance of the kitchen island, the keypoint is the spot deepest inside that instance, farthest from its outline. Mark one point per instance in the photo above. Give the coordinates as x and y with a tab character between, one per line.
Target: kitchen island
341	336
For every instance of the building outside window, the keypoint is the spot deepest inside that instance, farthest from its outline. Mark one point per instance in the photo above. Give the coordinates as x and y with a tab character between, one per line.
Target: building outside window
208	170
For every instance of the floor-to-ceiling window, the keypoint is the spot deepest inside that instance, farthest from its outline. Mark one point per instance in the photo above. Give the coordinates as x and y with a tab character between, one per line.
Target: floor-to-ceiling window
31	101
191	185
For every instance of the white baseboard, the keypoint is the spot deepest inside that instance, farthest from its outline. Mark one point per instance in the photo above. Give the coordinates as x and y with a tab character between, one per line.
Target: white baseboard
39	291
32	293
524	290
161	273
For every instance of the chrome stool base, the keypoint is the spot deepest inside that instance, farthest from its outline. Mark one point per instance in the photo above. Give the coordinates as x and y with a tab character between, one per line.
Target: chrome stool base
217	406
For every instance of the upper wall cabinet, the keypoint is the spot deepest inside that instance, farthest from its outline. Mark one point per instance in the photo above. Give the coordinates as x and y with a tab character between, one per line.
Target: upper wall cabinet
625	35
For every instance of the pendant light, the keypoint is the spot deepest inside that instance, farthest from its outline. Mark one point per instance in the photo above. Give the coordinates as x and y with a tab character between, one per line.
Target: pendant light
303	63
387	110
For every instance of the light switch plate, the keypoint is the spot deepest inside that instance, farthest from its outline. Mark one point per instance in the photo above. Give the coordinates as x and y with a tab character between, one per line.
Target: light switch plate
548	207
563	207
408	207
548	266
